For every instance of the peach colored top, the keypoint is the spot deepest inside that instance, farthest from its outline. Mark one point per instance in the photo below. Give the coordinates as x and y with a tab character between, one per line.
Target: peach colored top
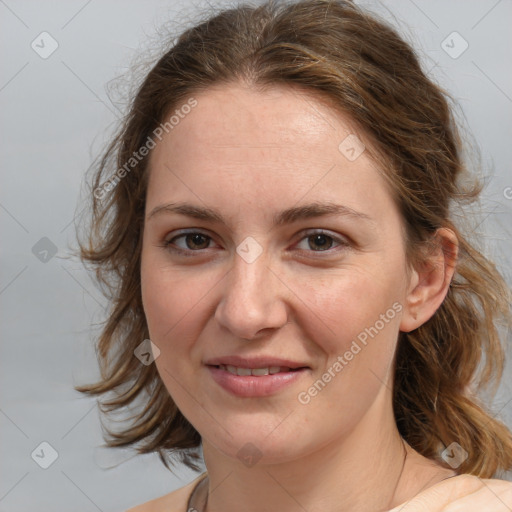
464	492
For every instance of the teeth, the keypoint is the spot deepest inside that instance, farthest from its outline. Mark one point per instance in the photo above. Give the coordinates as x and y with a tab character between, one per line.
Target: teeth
261	371
254	371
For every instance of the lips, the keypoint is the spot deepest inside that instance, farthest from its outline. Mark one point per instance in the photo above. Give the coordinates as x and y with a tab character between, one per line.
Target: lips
268	370
255	376
253	386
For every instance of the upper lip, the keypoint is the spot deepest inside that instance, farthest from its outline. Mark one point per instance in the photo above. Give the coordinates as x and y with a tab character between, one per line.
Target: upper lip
254	362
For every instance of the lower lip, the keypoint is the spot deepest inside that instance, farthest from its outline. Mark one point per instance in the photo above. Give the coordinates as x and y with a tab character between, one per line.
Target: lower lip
252	385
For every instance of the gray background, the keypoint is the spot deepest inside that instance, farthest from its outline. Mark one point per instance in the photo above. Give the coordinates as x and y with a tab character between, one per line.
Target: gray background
56	117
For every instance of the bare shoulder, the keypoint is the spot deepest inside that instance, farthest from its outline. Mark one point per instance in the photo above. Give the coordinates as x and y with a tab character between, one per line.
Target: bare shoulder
175	501
464	492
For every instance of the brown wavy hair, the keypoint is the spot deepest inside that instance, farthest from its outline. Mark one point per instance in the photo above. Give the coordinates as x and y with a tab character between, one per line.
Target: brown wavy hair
361	66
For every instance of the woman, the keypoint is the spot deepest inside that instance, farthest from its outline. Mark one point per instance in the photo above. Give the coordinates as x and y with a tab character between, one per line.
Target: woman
278	225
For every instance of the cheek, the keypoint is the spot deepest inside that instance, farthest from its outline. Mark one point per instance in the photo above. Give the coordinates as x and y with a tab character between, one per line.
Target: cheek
350	303
362	313
172	300
172	304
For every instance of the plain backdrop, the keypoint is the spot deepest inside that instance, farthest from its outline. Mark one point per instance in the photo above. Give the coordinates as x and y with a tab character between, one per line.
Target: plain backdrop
56	118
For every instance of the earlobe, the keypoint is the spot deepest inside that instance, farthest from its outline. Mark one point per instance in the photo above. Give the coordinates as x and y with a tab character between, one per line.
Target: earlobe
429	284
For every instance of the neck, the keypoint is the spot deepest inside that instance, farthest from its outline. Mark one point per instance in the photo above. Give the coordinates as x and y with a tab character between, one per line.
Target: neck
359	472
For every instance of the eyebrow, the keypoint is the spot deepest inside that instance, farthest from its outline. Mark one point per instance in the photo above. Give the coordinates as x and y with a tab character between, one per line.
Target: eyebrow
288	216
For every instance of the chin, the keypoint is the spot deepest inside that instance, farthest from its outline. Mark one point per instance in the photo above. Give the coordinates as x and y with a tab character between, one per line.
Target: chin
258	443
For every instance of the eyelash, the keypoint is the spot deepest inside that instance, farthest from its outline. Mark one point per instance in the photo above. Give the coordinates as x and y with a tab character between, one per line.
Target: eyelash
167	244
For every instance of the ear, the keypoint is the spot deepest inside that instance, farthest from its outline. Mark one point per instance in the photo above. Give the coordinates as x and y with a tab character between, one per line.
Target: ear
429	284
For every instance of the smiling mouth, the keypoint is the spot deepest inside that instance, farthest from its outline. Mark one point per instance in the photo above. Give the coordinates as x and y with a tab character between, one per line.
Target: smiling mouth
263	381
258	372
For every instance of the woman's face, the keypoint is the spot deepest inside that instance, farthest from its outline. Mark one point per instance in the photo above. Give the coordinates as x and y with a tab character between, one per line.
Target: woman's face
258	281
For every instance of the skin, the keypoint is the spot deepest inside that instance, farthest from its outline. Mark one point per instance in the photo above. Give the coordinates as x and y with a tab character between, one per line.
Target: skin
251	154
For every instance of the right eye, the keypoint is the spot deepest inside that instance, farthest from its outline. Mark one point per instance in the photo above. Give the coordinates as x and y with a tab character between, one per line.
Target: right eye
194	241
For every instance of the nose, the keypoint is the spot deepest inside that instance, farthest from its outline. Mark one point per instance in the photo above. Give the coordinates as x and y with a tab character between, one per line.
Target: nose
253	302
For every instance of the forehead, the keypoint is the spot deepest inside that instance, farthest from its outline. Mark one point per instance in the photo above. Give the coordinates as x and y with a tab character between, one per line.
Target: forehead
269	146
276	115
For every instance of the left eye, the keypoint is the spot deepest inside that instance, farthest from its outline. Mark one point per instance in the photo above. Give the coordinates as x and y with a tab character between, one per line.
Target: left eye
322	240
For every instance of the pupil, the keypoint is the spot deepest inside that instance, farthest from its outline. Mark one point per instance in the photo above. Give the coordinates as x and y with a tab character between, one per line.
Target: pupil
320	237
195	238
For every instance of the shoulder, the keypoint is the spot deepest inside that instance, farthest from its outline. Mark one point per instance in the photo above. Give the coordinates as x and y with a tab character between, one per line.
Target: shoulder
464	492
175	501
